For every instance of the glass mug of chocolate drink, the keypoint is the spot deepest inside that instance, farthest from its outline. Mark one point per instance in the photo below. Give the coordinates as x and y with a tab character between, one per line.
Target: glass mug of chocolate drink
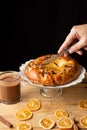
10	90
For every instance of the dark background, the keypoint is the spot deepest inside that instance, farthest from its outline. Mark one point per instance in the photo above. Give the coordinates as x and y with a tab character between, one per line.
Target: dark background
29	29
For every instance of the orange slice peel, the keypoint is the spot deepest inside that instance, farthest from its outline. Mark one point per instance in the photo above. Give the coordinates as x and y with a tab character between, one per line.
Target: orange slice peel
23	114
65	123
33	104
83	121
46	123
59	113
82	104
23	126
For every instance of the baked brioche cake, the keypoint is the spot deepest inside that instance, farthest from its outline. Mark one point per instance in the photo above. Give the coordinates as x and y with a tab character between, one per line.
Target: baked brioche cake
61	71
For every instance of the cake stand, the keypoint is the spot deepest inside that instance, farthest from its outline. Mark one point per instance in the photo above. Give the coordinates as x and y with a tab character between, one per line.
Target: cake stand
49	91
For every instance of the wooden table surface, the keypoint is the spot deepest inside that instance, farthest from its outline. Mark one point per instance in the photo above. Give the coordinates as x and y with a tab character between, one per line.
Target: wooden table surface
67	101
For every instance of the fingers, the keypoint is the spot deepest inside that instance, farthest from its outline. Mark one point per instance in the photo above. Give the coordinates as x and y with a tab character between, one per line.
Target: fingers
69	40
85	48
78	46
77	33
79	52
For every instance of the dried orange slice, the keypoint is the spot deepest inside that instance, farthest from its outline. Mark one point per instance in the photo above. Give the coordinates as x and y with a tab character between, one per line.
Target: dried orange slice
33	104
24	126
59	113
23	114
46	123
83	121
82	104
65	123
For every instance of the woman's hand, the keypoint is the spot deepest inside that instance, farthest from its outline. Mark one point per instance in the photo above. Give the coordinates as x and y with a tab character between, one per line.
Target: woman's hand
77	39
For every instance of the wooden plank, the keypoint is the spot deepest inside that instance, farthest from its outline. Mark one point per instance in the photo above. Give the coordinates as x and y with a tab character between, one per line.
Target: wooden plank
68	101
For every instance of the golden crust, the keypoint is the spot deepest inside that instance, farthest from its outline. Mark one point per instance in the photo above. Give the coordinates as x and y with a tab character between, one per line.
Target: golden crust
59	72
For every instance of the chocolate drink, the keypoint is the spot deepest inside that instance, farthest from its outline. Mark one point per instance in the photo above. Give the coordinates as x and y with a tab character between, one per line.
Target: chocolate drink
10	87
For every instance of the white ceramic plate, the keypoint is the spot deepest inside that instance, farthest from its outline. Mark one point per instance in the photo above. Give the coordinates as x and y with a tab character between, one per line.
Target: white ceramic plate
78	80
